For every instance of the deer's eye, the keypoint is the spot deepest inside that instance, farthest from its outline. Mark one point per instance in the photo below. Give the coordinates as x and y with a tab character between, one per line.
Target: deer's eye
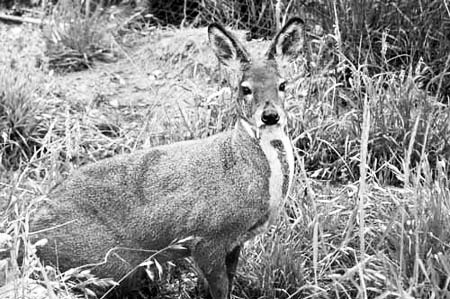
246	90
282	87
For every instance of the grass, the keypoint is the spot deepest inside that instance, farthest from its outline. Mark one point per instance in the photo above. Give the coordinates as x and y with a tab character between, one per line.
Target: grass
76	36
20	86
21	126
369	211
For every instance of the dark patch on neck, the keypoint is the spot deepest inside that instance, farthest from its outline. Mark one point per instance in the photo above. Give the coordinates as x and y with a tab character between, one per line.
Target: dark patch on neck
277	144
279	147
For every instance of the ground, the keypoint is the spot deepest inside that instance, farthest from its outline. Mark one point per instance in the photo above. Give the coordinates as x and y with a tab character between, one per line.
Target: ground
344	238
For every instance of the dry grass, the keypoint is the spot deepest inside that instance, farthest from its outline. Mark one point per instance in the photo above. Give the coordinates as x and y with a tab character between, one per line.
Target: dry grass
369	212
76	37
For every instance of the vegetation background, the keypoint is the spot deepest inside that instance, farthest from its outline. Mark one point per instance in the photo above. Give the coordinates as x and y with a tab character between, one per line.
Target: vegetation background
369	118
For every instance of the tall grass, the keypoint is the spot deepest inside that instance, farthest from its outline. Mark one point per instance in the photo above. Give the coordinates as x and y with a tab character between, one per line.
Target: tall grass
19	118
352	241
369	211
77	36
21	86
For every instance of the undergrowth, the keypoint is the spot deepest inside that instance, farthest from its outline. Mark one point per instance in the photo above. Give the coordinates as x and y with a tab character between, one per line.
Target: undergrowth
369	121
21	108
19	118
76	37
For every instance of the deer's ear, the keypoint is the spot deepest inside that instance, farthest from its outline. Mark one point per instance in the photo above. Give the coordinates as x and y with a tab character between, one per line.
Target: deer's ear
226	46
289	41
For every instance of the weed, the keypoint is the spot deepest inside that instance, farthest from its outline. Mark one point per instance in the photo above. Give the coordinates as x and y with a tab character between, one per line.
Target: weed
20	125
76	37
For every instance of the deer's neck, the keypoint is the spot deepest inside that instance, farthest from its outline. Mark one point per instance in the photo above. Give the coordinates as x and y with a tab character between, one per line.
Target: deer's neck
277	149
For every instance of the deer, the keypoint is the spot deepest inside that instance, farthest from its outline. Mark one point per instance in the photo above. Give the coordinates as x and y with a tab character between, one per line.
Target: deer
217	192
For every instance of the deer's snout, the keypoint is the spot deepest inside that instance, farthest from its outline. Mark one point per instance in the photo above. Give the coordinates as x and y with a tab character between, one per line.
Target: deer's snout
270	117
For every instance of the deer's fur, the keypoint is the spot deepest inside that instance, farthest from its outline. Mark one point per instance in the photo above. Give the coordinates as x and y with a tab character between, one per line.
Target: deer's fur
220	191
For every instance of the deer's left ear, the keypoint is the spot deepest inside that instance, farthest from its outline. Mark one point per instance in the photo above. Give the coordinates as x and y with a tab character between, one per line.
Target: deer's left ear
290	40
226	46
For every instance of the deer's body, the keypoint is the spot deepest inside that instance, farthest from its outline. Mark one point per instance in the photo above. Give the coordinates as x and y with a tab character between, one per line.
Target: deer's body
220	191
148	201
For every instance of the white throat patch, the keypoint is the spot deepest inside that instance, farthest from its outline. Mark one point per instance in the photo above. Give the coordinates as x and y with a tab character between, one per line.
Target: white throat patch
276	179
267	137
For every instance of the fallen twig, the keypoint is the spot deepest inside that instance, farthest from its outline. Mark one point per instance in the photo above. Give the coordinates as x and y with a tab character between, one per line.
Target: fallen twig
33	11
16	19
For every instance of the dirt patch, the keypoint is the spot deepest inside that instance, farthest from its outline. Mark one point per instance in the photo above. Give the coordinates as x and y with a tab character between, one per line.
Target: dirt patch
163	74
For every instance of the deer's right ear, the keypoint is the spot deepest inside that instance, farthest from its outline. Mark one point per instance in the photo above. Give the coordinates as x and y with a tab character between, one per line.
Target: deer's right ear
289	40
227	48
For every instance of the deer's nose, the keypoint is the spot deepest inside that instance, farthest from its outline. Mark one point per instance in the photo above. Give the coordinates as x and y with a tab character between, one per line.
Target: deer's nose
270	117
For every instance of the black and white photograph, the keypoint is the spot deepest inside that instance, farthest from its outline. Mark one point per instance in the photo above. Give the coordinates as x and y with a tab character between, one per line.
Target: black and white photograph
213	149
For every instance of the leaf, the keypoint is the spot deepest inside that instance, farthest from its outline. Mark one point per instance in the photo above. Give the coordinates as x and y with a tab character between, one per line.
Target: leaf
41	243
159	267
150	274
146	263
90	293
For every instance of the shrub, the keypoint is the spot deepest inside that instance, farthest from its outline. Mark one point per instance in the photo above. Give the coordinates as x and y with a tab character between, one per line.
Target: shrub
19	117
76	37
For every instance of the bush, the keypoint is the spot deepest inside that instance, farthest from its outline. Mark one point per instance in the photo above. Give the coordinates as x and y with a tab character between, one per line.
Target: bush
19	118
402	115
76	37
389	35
